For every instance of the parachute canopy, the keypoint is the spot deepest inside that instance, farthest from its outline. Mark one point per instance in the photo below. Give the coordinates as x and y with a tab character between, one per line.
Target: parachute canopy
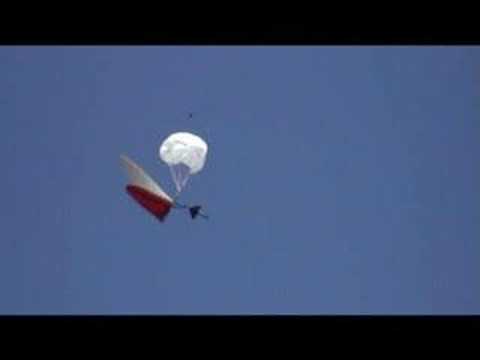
185	154
146	191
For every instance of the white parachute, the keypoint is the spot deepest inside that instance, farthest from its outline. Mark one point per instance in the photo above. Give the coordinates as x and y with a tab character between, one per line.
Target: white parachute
185	154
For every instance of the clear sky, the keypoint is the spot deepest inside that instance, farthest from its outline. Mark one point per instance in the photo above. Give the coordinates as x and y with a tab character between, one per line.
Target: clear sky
339	180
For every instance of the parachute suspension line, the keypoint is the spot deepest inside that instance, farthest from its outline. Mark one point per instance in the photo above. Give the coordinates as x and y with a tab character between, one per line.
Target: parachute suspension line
180	174
174	177
184	175
178	205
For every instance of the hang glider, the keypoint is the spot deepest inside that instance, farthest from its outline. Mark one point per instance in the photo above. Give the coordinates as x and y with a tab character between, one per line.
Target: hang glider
185	154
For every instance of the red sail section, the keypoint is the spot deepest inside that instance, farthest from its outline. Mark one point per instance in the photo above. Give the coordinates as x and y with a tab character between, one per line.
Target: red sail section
156	205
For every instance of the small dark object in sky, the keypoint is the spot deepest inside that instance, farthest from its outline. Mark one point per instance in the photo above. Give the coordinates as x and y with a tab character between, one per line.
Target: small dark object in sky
195	211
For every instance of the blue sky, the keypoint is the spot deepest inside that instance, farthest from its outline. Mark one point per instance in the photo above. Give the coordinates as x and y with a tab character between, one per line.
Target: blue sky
339	180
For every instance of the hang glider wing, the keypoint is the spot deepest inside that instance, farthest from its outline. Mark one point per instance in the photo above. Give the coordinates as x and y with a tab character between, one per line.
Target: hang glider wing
146	191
